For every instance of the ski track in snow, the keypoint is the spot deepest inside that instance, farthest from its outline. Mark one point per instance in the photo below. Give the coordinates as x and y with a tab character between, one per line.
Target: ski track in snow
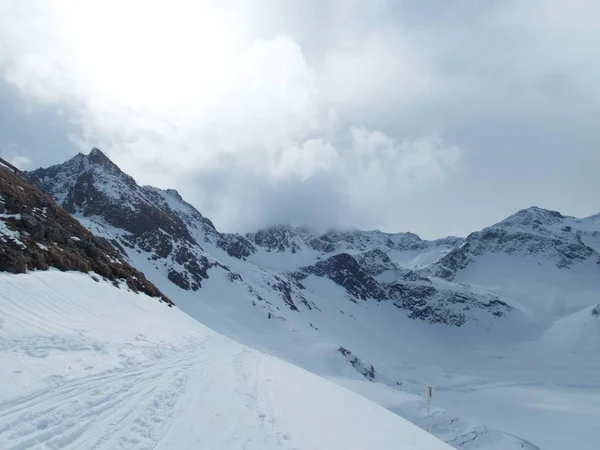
60	416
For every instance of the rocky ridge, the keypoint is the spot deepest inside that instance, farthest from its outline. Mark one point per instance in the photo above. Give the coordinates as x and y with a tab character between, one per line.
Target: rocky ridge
36	234
563	241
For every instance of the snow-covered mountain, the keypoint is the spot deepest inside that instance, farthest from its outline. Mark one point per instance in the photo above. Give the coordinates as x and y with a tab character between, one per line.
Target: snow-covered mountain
546	263
562	241
402	308
184	246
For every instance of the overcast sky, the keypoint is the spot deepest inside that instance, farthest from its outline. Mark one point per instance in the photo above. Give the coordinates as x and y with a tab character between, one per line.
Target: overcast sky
437	117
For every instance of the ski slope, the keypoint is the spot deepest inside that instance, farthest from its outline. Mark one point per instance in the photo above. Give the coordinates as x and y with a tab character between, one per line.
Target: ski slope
88	366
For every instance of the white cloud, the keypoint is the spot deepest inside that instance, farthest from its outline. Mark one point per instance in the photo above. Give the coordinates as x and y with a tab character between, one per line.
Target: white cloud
254	110
197	90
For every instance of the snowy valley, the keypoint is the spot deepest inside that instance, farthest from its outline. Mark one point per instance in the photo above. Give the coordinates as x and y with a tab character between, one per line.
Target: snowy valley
504	323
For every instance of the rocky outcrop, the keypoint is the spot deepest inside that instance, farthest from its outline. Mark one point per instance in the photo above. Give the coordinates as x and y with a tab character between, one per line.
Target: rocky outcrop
345	271
282	238
376	262
36	234
436	305
367	371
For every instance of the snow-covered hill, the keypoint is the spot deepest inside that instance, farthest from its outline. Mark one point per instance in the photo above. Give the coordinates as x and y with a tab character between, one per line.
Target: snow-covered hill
86	365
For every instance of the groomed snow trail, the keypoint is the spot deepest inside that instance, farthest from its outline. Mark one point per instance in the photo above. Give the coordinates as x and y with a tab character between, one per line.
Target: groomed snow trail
89	366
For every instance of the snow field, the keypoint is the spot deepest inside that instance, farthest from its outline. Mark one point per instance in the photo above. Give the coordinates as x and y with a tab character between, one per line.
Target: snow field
89	366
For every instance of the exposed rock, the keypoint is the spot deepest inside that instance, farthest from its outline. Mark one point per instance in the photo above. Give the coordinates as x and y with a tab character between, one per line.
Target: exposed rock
345	271
38	234
376	261
367	371
434	305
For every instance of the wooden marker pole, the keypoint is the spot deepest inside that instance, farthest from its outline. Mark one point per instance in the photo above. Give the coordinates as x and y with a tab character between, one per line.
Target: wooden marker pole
429	394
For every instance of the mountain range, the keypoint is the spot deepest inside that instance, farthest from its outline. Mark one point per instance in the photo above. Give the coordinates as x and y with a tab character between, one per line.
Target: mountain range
425	280
352	303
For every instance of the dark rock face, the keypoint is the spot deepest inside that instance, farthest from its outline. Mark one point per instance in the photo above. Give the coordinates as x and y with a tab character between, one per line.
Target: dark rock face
376	262
367	371
415	276
285	289
235	245
42	235
596	311
345	271
433	305
450	264
277	239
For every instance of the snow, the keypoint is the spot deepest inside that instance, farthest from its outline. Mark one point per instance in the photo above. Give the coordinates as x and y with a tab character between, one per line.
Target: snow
417	259
439	421
536	285
396	345
86	365
554	418
576	333
7	234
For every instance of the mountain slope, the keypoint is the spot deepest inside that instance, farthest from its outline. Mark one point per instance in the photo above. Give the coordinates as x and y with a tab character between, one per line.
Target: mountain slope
546	263
36	234
134	375
562	241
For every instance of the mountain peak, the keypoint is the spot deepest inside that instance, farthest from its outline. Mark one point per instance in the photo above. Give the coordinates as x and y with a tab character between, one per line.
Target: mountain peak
174	193
97	157
533	216
96	152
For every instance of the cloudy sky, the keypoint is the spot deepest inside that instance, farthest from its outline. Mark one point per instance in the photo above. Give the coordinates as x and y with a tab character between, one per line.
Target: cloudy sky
438	117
